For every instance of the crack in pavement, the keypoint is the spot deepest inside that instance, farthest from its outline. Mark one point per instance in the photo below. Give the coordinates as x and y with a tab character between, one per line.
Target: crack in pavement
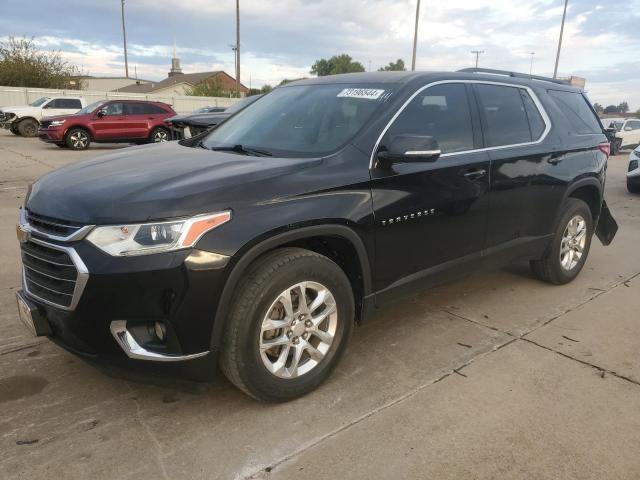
454	371
28	157
396	401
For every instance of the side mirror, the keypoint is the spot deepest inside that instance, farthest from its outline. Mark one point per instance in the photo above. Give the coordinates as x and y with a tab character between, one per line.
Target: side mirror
409	149
100	113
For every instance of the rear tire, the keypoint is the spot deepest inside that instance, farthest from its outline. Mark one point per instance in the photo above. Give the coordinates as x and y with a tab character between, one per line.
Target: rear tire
77	139
159	135
310	338
28	127
633	188
567	253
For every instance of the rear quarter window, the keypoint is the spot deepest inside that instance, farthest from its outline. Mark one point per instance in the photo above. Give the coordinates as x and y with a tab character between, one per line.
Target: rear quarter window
577	111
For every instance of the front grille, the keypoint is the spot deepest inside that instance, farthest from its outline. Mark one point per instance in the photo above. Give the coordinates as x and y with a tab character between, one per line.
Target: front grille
45	123
49	273
51	226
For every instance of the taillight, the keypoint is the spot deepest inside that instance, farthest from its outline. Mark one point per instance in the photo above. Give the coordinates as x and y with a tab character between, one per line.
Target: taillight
605	147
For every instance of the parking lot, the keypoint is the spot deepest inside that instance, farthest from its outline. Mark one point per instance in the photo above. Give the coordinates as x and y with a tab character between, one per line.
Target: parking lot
495	376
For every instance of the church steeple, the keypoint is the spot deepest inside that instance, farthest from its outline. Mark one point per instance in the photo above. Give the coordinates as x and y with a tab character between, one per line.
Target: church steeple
175	63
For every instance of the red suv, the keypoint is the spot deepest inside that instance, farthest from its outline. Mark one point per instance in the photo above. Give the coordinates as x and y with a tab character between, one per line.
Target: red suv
108	121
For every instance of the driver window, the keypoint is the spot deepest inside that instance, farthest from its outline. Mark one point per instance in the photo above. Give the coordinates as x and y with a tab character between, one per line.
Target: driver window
113	109
441	112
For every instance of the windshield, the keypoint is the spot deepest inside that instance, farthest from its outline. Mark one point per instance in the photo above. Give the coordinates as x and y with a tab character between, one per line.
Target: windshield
38	102
240	104
305	120
91	107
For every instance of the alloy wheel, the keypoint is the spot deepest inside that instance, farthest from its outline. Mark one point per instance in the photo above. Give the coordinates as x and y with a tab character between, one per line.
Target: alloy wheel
573	242
161	136
298	330
79	139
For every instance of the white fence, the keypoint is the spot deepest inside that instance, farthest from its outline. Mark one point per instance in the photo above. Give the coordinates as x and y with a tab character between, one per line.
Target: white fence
10	96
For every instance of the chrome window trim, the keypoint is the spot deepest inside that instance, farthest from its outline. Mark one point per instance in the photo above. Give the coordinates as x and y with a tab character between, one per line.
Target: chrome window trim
74	237
543	113
81	279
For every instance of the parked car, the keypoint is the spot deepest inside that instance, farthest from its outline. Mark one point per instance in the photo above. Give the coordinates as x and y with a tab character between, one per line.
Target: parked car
261	244
25	120
187	126
627	133
633	172
109	121
209	110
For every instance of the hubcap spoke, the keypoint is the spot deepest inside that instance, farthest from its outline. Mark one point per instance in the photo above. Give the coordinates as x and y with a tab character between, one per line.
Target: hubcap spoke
573	242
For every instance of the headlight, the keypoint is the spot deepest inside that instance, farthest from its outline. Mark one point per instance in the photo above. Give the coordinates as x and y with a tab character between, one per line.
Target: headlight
145	238
57	123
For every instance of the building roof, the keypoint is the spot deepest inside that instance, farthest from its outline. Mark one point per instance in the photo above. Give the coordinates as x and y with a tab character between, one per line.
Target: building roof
112	78
188	78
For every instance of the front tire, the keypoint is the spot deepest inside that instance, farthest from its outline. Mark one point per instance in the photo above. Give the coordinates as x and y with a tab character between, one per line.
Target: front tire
28	127
289	325
567	253
633	188
77	139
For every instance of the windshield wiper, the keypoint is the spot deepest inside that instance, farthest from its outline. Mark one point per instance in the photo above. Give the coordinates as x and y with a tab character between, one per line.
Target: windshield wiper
243	150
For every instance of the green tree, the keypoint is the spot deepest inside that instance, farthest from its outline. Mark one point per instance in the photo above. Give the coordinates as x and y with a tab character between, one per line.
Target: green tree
611	109
209	88
598	108
397	66
23	65
337	64
623	107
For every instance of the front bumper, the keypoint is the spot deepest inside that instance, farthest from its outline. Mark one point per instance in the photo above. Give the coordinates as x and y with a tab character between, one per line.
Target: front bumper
113	317
51	135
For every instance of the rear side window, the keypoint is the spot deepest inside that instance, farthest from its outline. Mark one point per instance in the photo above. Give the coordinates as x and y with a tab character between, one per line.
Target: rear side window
441	112
505	117
577	111
143	109
536	123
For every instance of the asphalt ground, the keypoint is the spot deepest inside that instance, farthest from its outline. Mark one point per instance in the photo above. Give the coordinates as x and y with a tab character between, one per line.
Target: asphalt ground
495	376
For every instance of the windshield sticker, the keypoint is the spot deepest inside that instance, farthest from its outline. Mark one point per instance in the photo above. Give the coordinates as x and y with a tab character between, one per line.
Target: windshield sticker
366	93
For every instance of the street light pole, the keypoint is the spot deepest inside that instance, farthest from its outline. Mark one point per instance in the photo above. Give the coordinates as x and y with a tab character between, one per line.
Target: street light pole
415	36
124	37
477	54
238	48
531	67
564	16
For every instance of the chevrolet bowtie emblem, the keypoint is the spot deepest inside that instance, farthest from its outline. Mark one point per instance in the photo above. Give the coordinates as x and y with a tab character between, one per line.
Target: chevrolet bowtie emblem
23	234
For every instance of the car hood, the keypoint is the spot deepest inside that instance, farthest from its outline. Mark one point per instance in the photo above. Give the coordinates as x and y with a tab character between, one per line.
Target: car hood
21	110
155	182
205	119
64	117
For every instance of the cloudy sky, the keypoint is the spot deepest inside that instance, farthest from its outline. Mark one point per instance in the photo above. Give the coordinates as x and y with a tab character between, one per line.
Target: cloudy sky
282	38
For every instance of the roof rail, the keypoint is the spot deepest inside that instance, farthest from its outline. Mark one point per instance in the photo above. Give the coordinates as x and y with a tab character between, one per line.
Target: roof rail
514	75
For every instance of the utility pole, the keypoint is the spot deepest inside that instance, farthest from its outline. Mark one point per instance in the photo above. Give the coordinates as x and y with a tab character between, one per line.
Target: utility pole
477	53
415	37
238	48
531	66
564	16
124	37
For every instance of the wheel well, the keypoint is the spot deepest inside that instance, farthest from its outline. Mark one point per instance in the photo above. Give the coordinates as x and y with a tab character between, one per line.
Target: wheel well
344	254
591	196
22	119
78	127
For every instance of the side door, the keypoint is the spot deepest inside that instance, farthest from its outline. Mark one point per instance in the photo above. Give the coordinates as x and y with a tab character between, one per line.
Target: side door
54	107
110	123
431	216
138	118
525	188
631	133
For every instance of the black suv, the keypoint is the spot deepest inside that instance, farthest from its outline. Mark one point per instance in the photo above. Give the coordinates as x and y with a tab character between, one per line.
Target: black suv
261	243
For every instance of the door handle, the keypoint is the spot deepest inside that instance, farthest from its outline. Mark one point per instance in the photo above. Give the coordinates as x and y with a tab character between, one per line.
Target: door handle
474	174
554	161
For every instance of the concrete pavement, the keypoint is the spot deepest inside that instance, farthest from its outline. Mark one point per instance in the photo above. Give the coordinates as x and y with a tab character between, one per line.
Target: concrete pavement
496	376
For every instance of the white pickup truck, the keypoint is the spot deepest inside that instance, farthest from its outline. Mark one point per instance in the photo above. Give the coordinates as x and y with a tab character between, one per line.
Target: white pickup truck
25	120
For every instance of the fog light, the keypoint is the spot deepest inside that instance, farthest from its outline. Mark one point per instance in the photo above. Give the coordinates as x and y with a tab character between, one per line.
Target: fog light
160	330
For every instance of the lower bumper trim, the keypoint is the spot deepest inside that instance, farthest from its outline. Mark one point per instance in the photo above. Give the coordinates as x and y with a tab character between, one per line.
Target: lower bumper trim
134	350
